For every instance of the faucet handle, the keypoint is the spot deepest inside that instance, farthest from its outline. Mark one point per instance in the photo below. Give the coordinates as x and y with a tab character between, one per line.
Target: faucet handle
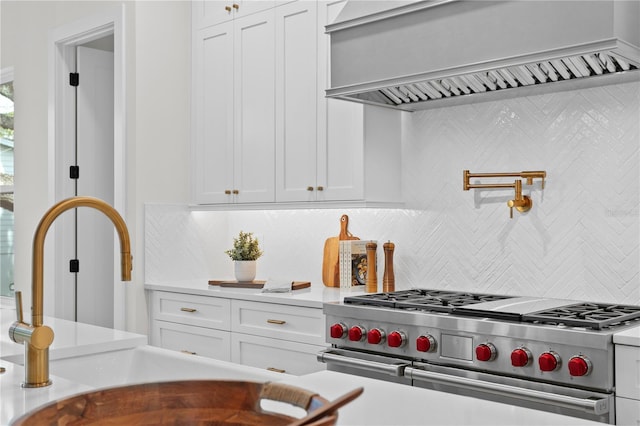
18	297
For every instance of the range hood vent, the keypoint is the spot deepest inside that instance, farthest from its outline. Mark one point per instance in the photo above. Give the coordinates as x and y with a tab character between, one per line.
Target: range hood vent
419	55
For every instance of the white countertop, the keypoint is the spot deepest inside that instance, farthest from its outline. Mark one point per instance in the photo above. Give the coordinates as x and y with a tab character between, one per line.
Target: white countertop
384	403
629	337
313	296
70	338
16	400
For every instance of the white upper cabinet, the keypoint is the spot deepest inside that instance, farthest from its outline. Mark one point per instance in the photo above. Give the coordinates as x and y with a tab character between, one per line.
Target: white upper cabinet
263	131
233	98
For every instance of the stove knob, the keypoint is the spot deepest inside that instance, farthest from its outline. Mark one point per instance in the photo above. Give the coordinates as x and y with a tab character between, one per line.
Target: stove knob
579	366
396	339
375	336
520	357
486	352
356	333
549	361
338	331
426	343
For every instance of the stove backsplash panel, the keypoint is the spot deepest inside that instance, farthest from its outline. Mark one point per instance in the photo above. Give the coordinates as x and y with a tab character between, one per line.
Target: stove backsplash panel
580	240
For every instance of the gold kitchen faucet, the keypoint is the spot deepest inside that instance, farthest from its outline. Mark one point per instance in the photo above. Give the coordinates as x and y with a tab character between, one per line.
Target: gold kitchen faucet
37	337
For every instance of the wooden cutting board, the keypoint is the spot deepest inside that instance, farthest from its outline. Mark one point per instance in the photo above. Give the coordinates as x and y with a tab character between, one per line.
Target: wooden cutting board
295	285
331	256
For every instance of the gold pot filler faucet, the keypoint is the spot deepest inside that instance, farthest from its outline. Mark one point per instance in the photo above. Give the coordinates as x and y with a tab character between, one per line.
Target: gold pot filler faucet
522	203
37	337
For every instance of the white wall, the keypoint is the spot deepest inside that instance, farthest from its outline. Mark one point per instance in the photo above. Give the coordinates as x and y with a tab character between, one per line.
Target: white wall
580	239
157	80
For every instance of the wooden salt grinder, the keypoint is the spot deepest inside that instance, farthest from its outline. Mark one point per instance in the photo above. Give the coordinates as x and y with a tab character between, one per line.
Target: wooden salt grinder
388	279
372	274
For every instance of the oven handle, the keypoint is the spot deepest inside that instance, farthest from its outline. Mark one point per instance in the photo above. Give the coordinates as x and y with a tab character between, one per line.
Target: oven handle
597	406
396	369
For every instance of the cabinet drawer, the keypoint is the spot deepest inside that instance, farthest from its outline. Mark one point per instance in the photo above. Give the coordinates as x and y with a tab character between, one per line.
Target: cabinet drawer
202	311
275	355
628	371
295	323
196	340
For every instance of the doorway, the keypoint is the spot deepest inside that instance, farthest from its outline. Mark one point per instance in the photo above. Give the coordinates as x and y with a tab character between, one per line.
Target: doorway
87	158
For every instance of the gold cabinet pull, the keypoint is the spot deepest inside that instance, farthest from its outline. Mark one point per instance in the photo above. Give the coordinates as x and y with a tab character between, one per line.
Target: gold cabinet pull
320	188
188	309
235	191
309	188
184	351
275	321
227	192
227	8
276	370
236	6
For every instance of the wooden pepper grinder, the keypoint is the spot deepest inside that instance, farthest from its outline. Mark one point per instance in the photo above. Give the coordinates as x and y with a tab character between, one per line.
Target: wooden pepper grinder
372	274
388	279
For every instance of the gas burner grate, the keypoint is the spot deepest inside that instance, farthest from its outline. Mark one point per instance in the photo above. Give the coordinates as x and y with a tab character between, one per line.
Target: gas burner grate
422	299
447	302
589	315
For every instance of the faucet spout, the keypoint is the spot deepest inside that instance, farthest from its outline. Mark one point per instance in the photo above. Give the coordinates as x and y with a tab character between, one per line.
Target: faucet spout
37	353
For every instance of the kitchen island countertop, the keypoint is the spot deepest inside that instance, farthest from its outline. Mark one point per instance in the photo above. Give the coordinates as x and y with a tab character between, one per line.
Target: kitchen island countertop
385	404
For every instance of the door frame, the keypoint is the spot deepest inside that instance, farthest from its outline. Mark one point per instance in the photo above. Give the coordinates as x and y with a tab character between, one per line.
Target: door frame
61	133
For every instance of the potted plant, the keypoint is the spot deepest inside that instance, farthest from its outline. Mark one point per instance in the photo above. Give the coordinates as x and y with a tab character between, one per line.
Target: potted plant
244	253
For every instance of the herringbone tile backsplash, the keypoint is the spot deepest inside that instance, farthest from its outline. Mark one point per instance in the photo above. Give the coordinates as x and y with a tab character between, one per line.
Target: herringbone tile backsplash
580	240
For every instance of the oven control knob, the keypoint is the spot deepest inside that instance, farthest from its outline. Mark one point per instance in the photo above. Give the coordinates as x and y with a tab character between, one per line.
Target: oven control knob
356	333
579	365
396	339
375	336
486	352
520	357
549	361
426	343
338	331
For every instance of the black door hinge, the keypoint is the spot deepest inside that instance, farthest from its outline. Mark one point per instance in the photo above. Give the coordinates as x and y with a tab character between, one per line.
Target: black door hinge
74	265
74	79
74	172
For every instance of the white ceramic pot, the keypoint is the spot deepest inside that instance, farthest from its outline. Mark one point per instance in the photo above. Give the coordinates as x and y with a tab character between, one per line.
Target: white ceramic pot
245	270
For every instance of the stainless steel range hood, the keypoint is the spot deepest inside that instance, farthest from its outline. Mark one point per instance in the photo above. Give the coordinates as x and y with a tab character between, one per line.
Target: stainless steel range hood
416	55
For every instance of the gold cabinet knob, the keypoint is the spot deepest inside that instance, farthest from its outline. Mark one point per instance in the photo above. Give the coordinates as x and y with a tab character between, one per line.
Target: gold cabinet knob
235	191
227	8
309	188
236	6
227	191
320	188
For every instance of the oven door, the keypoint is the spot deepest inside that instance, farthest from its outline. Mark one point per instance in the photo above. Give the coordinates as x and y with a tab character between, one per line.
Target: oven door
525	393
365	365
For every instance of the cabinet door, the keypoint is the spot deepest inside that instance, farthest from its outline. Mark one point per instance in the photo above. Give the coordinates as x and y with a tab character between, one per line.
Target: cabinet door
213	149
340	159
254	108
296	76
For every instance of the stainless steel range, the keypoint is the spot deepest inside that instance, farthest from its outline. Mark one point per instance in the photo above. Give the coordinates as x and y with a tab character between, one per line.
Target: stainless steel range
549	354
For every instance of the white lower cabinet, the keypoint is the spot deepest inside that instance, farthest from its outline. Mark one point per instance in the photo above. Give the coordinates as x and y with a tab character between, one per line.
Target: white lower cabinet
627	385
278	337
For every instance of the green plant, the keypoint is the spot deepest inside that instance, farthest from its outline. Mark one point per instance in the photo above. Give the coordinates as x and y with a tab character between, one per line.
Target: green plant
245	247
